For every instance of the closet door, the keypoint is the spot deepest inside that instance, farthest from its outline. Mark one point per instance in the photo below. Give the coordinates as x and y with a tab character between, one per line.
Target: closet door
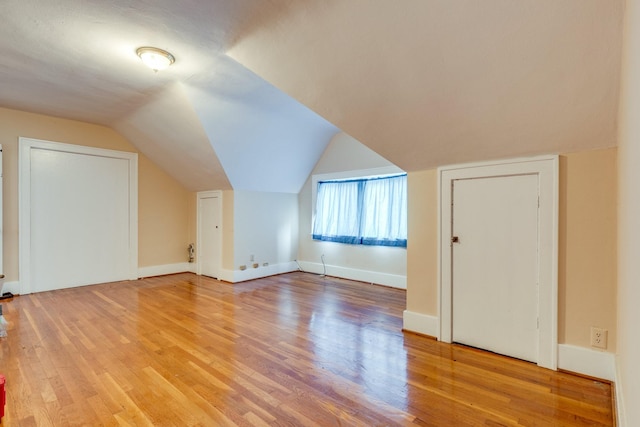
495	264
79	217
209	233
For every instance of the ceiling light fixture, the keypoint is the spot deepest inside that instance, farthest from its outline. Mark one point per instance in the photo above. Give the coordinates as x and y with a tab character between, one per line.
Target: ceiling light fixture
154	58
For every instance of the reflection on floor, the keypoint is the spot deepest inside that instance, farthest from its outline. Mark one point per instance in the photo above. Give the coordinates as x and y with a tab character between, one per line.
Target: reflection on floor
294	349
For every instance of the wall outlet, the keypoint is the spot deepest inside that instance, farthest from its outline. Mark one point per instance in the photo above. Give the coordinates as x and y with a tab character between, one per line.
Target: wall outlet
598	338
251	258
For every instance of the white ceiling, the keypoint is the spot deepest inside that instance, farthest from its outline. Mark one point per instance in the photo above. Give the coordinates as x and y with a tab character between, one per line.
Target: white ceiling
422	82
206	120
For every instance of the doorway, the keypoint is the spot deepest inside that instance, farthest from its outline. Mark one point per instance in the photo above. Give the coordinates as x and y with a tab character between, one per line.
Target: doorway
209	239
498	253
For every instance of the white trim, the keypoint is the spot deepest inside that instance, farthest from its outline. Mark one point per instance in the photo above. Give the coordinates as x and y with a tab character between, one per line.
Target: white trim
24	200
391	280
205	195
585	361
420	323
359	173
162	270
13	287
546	167
251	273
621	415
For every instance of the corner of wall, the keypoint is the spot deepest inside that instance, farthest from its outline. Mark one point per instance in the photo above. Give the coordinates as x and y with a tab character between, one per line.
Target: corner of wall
421	323
619	398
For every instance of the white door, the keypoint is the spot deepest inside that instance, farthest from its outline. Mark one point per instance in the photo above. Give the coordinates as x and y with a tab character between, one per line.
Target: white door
495	264
209	238
79	219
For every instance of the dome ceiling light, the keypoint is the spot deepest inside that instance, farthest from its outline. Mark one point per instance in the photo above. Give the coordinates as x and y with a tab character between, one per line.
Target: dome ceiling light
154	58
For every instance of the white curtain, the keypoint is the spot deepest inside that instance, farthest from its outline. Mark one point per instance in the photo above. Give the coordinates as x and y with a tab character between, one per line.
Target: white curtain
362	211
337	211
384	218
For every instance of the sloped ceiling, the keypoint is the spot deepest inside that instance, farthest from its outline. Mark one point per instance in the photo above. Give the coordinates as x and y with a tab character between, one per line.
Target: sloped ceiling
427	83
76	59
265	140
260	86
167	129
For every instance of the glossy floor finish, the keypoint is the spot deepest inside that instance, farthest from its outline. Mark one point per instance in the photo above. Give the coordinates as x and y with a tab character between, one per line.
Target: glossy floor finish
290	350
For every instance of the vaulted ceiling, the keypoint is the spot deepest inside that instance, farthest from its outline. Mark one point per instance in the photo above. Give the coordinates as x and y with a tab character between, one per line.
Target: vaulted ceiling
259	87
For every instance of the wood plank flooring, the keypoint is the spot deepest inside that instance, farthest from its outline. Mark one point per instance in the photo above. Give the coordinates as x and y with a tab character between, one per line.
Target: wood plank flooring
290	350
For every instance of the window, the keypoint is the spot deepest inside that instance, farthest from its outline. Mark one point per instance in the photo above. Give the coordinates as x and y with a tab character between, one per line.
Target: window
371	211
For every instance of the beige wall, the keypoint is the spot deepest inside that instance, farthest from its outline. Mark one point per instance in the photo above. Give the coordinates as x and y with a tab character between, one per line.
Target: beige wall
422	245
163	210
163	217
193	221
587	240
628	375
587	246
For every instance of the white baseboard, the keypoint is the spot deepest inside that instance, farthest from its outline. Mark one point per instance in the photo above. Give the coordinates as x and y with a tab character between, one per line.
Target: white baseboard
226	275
391	280
250	273
420	323
13	287
161	270
581	360
585	361
621	415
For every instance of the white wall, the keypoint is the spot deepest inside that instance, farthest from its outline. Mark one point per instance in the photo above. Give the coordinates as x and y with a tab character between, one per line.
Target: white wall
375	264
265	226
628	377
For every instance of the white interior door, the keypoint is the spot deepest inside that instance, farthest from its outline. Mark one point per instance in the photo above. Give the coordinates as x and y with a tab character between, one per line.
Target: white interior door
78	215
495	264
209	234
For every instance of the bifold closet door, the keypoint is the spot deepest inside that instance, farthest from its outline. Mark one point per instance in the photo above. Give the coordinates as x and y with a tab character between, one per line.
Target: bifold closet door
79	219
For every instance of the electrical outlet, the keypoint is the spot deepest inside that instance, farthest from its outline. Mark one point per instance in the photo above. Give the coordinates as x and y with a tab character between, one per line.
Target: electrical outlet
251	258
598	338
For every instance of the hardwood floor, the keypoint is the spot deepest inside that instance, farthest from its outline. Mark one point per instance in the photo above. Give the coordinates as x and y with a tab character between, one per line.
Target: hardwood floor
290	350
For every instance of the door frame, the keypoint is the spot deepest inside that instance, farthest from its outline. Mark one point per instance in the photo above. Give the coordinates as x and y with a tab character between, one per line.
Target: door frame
205	195
25	145
547	169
